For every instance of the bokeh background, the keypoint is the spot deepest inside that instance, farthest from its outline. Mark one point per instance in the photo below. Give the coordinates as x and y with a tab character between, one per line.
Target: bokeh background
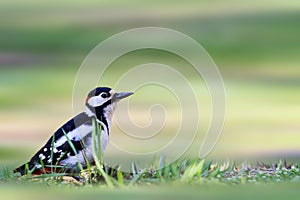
255	44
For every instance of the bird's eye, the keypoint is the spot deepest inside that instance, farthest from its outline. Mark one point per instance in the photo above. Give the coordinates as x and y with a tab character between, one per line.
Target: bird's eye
103	95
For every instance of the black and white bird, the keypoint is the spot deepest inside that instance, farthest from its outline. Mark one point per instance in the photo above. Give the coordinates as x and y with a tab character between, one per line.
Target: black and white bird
58	153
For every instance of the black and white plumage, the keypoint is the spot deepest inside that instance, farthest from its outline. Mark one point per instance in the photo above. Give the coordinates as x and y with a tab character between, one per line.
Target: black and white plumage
58	155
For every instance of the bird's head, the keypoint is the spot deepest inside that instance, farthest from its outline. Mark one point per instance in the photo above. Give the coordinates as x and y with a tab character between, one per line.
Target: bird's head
104	99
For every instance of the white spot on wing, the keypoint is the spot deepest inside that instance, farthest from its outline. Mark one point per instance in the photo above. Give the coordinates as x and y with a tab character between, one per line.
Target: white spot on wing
38	166
55	150
41	156
45	149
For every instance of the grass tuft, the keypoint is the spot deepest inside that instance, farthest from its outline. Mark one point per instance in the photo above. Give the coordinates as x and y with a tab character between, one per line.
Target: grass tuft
187	171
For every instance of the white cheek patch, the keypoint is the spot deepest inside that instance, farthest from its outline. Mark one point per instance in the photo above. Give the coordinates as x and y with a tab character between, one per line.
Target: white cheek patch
96	101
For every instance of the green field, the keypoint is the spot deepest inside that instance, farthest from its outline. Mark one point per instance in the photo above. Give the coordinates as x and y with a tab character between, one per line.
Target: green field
255	45
210	191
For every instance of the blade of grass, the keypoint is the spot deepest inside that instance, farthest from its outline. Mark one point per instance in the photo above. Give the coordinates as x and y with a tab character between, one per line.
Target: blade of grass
96	158
162	161
51	153
120	177
192	171
87	162
136	178
98	134
73	149
134	168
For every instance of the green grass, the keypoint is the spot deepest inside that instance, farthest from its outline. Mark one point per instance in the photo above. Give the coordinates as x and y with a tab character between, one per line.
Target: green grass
175	191
186	178
191	171
254	44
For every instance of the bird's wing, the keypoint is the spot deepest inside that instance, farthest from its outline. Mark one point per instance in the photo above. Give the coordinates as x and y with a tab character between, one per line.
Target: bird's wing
66	141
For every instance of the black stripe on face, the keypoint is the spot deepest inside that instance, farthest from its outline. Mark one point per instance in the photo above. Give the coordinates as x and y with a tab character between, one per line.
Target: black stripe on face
99	112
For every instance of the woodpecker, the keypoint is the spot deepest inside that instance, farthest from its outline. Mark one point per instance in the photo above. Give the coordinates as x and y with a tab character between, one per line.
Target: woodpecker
58	153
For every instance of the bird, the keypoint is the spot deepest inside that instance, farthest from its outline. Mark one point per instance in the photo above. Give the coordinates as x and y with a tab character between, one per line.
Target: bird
71	148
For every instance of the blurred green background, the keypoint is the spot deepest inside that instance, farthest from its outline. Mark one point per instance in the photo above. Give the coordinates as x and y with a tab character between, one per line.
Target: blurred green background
255	44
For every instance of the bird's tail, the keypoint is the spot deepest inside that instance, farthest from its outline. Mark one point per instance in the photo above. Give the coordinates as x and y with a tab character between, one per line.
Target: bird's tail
23	169
20	169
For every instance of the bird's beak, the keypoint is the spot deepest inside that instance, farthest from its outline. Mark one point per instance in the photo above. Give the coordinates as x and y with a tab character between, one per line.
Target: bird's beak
121	95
